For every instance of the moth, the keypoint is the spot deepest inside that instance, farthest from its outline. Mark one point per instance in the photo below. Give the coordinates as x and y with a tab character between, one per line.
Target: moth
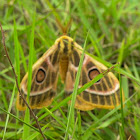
63	59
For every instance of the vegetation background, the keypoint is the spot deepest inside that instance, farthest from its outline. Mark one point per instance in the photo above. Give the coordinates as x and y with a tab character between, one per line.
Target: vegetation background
114	36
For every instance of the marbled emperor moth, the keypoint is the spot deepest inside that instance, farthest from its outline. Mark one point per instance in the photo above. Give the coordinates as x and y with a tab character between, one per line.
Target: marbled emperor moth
63	59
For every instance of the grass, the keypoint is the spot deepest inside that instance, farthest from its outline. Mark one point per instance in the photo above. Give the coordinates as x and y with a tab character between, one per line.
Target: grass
114	36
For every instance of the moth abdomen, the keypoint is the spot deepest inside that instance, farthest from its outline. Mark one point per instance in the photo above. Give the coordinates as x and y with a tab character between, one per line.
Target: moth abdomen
63	67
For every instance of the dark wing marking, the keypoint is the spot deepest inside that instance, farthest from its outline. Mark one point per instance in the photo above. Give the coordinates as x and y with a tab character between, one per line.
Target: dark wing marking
102	94
44	80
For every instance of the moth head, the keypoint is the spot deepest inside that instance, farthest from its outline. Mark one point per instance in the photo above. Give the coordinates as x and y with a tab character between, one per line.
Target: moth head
64	28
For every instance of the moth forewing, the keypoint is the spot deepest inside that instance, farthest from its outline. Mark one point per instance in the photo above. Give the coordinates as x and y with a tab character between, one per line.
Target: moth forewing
44	81
63	58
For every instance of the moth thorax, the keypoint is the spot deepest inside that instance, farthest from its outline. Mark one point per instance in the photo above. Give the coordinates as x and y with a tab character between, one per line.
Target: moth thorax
63	67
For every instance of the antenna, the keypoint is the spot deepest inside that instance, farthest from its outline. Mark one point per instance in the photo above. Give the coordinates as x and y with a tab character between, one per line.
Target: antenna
64	29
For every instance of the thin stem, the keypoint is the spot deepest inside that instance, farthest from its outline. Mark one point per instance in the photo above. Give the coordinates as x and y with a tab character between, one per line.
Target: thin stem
20	94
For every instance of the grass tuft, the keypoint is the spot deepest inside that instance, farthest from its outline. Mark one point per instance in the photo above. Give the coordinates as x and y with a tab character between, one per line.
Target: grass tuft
113	38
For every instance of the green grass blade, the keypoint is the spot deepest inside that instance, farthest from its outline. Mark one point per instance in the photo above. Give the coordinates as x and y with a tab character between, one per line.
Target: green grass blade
26	129
125	87
71	111
56	118
122	110
101	19
34	135
23	58
121	53
97	45
17	59
9	109
19	119
137	126
31	56
135	70
8	78
79	123
3	95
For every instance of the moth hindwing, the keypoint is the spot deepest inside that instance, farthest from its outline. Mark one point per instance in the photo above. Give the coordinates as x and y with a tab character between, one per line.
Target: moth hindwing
63	59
